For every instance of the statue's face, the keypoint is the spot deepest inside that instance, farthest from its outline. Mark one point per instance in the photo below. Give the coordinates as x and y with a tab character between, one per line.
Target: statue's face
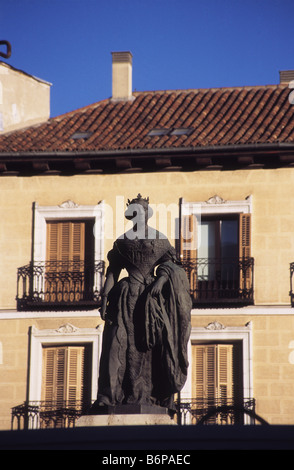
138	213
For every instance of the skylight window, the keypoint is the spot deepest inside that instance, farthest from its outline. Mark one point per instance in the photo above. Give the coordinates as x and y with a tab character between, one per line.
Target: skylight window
181	131
156	132
172	131
81	135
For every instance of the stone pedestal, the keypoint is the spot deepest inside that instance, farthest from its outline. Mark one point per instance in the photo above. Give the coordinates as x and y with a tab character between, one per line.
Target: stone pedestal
124	415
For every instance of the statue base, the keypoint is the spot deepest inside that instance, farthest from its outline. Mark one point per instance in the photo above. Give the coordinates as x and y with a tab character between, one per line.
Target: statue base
123	415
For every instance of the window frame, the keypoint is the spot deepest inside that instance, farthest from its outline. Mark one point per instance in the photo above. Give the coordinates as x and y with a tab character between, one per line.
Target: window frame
68	210
66	334
64	211
216	332
216	205
191	214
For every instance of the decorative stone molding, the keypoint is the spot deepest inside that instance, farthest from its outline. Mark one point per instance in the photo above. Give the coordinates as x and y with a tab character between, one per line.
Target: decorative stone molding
68	205
216	205
67	328
215	325
215	200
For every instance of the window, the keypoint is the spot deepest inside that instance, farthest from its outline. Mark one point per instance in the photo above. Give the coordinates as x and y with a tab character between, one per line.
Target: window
172	131
65	383
65	336
65	376
81	135
216	377
219	242
67	264
215	249
69	260
181	131
158	132
220	373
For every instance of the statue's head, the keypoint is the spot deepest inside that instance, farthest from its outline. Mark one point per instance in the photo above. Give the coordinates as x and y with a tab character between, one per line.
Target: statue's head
138	207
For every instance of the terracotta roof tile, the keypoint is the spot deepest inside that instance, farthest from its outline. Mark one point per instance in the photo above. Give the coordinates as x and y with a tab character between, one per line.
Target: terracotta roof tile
216	117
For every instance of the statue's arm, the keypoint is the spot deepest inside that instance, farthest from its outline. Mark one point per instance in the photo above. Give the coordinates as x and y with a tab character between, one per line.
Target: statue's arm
112	276
159	283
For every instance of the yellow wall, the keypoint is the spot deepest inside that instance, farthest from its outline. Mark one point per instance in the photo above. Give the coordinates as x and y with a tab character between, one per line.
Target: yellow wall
272	194
272	228
14	336
273	360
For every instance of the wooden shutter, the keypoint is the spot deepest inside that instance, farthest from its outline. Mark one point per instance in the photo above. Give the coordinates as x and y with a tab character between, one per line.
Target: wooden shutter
66	241
54	368
75	374
52	241
188	249
245	252
65	254
63	374
204	372
245	235
225	373
212	372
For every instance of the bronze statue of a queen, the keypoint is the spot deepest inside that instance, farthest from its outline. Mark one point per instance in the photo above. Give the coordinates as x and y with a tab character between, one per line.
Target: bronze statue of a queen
147	318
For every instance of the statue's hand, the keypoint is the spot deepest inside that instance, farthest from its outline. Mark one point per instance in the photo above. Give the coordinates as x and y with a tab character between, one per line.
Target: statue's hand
157	287
102	309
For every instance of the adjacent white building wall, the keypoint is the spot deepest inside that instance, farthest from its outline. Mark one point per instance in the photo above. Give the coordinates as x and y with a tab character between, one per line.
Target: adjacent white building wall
24	99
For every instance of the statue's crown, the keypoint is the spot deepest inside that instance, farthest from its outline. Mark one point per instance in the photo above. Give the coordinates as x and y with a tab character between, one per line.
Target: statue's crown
139	200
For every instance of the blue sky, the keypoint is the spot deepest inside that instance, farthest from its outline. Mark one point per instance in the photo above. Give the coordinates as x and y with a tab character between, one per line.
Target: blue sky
176	44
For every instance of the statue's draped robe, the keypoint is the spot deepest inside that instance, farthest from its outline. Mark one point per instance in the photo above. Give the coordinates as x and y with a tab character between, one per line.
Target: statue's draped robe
144	351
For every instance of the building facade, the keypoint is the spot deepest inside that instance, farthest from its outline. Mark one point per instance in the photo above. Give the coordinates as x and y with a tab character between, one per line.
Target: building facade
217	166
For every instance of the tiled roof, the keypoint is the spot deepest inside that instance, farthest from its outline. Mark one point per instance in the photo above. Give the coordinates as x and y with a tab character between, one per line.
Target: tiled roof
213	117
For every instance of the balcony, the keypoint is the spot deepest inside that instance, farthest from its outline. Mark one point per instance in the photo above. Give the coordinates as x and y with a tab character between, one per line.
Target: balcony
217	411
215	281
44	415
59	285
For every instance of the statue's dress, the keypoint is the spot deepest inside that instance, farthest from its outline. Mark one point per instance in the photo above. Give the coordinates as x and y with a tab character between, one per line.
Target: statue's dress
144	349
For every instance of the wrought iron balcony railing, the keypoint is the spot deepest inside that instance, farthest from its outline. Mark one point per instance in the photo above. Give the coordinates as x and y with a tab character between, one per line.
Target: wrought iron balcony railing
41	415
44	414
217	411
226	280
59	284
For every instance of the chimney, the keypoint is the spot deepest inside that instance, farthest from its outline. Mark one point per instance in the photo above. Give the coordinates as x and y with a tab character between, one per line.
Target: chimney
122	76
286	76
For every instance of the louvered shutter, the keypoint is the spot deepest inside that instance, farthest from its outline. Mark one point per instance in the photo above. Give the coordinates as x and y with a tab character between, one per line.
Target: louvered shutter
204	367
225	372
75	375
54	375
188	250
199	373
212	375
48	379
245	235
65	256
60	375
66	241
245	252
78	241
63	374
52	241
